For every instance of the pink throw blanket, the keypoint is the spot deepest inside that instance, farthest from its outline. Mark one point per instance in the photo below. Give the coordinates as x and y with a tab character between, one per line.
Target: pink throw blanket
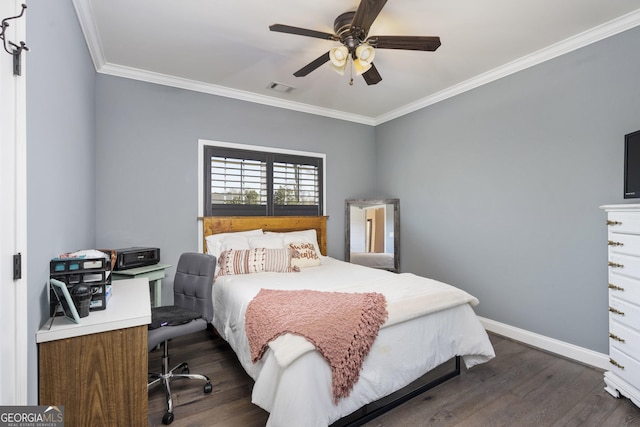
342	327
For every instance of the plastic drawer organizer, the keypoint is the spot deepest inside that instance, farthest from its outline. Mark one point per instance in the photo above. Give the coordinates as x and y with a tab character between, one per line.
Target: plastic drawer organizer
95	272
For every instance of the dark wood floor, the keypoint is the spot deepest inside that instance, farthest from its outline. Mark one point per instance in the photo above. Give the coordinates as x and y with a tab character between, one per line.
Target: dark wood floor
520	387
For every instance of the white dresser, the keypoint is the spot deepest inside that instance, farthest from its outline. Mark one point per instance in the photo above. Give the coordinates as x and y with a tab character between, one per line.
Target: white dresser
623	224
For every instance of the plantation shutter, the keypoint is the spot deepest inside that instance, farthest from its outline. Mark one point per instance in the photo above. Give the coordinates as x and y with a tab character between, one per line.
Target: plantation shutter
296	186
244	182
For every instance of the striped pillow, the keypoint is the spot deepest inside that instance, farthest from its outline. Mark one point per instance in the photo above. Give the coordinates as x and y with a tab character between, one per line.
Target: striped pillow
256	260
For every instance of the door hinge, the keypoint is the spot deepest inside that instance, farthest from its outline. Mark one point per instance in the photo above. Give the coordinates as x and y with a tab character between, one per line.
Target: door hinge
17	266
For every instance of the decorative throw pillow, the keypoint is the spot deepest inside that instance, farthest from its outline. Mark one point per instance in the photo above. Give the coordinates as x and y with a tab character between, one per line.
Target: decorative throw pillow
304	236
255	261
304	255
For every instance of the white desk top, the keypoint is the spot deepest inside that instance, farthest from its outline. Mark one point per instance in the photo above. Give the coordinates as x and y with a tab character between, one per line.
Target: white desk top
128	306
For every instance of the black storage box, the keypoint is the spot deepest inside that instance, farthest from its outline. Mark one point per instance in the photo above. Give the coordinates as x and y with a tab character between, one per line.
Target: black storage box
94	272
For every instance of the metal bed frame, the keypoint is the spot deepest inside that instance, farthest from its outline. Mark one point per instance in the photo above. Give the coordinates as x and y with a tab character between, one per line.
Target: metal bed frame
372	410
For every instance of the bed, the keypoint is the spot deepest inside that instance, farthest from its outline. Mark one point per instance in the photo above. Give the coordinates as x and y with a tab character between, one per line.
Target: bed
293	381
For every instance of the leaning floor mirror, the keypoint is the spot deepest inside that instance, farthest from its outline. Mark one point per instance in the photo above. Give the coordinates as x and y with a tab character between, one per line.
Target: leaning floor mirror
372	233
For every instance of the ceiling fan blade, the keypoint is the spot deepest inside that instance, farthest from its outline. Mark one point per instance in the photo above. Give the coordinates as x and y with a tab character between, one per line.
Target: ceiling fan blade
312	65
367	12
372	76
405	42
302	32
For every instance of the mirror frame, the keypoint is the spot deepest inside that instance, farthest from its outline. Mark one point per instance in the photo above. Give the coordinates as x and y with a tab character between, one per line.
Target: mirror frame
396	227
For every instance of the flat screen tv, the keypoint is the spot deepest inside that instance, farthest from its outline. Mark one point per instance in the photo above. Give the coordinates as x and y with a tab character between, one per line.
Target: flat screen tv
632	165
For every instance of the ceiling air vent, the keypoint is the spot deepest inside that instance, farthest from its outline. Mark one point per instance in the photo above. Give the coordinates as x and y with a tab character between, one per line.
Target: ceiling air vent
280	87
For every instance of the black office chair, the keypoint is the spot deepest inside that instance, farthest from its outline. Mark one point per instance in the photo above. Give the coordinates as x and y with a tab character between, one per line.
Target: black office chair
191	312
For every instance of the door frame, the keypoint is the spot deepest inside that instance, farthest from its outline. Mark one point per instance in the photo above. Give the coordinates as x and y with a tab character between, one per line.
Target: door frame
14	206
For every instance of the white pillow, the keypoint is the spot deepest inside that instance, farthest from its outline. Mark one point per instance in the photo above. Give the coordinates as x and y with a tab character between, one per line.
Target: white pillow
267	241
303	236
237	243
237	240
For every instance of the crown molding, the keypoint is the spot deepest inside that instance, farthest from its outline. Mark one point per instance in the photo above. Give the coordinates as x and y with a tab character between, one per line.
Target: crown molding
601	32
87	23
167	80
85	14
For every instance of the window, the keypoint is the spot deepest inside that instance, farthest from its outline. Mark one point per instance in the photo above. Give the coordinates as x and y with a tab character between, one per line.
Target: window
248	182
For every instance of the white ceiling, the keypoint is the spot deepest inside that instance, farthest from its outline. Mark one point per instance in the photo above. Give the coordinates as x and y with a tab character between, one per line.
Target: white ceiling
226	48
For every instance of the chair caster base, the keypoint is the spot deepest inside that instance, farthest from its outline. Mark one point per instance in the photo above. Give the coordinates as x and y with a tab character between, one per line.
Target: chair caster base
167	418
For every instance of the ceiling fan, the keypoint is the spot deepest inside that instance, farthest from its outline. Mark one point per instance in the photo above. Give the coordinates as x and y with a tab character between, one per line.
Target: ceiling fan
351	30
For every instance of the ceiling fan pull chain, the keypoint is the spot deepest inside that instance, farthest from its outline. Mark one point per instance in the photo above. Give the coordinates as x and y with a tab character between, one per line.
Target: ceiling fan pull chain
351	73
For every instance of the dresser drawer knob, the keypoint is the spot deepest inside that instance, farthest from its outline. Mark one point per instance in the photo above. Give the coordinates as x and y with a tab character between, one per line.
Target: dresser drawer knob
615	337
610	222
615	288
615	265
616	364
614	311
612	243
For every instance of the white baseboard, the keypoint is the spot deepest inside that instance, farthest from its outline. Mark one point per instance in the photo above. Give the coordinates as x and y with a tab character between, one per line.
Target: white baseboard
579	354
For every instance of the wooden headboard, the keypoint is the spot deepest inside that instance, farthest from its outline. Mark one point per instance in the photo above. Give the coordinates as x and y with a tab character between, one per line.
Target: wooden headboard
229	224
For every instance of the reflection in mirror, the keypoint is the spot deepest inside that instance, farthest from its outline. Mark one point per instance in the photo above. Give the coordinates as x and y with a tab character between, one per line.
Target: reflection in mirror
372	233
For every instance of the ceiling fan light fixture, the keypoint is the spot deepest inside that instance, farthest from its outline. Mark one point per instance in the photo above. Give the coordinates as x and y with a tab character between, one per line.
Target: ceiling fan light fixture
339	56
339	70
361	66
365	53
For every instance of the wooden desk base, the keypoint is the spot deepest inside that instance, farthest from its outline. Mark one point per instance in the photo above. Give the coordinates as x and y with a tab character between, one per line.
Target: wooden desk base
100	379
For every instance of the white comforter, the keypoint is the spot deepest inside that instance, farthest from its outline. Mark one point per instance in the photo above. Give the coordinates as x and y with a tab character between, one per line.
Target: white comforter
429	322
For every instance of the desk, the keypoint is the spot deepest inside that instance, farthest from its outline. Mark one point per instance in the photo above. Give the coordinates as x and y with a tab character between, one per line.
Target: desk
97	369
155	274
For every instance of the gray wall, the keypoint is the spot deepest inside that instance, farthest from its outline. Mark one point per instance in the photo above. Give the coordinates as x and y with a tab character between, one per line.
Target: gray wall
147	152
60	153
500	188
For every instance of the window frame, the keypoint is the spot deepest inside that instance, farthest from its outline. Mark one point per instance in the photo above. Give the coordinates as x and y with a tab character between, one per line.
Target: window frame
204	174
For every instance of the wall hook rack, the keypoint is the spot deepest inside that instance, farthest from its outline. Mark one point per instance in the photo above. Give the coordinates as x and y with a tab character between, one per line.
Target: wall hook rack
15	49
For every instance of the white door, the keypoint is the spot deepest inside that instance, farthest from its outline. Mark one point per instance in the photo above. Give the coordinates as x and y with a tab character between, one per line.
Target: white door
13	293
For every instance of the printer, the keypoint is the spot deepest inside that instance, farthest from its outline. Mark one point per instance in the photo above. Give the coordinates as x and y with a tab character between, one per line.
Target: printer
135	257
